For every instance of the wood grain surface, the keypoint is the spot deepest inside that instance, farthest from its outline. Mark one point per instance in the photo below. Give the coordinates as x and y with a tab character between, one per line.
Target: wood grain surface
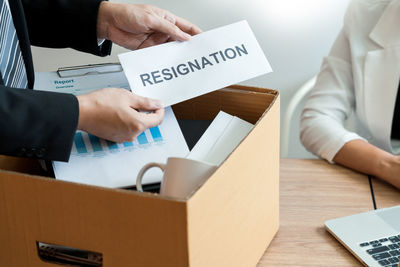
312	192
386	195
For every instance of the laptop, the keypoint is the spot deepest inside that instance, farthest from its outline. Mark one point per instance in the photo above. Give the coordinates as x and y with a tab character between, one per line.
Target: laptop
373	237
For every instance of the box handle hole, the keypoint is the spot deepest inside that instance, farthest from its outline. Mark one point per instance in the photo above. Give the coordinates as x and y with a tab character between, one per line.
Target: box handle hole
68	256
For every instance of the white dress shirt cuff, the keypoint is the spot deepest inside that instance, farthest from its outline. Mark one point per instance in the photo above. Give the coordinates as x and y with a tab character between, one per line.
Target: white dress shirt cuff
330	149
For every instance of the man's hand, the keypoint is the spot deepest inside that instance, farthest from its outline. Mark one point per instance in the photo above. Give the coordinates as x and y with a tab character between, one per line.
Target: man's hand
112	114
137	26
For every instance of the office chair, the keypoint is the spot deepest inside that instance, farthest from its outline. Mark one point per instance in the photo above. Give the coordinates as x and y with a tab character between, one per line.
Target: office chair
301	93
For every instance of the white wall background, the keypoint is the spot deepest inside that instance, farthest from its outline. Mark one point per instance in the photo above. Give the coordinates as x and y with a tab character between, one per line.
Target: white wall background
294	34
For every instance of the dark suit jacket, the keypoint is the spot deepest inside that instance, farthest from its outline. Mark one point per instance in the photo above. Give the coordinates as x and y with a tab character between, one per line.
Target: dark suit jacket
42	124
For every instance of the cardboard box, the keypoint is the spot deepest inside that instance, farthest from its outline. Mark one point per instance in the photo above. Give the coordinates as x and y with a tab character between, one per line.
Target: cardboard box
229	221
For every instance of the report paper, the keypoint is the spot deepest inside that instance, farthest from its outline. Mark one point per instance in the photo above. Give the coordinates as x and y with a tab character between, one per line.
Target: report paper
79	84
177	71
100	162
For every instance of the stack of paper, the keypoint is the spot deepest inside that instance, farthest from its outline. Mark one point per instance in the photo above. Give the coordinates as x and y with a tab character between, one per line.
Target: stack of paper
223	135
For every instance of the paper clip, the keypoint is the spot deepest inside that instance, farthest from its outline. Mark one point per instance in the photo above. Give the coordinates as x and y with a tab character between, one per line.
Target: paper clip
91	69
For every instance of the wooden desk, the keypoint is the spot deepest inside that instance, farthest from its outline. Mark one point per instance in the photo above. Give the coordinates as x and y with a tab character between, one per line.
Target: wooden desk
312	192
386	195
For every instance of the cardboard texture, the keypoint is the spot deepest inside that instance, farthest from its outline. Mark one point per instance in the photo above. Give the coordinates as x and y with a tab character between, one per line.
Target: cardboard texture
228	221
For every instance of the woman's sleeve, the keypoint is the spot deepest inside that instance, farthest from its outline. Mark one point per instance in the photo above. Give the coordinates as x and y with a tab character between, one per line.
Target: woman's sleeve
330	103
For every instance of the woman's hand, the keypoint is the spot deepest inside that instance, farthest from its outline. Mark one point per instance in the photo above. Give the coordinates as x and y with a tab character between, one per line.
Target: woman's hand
390	170
366	158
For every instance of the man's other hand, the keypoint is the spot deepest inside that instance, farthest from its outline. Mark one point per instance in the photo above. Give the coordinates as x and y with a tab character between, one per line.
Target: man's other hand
113	114
137	26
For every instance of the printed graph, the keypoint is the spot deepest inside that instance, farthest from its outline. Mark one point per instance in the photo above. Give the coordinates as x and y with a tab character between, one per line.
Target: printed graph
85	143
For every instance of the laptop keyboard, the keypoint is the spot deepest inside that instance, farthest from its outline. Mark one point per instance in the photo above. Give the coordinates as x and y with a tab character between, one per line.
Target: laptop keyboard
386	250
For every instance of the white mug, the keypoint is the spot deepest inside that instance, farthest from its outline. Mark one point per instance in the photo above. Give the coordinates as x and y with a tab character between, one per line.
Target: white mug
181	176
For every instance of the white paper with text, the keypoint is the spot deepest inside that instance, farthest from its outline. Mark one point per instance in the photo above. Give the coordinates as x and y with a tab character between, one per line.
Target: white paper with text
177	71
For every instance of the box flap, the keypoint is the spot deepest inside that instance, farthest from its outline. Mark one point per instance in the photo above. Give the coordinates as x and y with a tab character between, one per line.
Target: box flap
247	103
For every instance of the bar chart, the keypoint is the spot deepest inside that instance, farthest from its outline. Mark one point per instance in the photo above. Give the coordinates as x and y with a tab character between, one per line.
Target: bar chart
85	143
96	161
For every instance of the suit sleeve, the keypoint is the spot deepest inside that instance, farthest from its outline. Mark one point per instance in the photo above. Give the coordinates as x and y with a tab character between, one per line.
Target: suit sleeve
44	122
65	23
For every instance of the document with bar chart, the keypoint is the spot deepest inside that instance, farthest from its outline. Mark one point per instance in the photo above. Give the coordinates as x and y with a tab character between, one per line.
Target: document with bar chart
100	162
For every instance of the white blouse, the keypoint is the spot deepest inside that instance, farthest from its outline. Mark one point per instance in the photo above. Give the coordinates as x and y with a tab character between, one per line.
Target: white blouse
360	75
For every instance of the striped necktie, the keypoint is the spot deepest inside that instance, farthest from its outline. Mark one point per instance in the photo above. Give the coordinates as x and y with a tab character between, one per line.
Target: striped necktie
12	65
